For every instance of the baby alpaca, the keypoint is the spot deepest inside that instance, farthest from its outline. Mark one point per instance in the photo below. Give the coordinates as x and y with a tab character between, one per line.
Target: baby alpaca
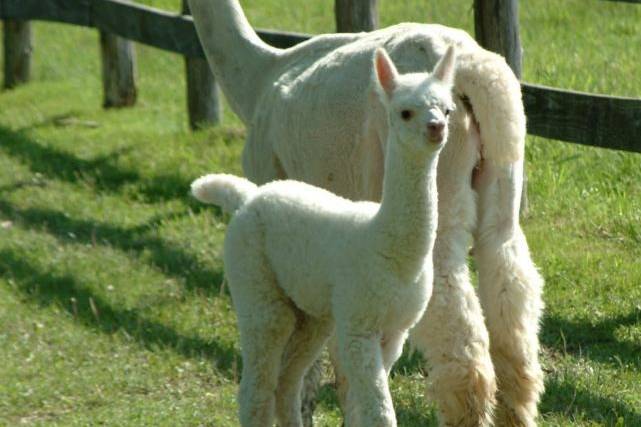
302	262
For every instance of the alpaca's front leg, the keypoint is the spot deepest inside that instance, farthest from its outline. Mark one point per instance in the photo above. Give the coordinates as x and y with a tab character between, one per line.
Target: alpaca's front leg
453	337
391	350
339	375
510	288
368	396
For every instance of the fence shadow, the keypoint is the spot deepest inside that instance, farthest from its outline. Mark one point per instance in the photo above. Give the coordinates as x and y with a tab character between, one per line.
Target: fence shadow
102	172
63	166
164	256
46	288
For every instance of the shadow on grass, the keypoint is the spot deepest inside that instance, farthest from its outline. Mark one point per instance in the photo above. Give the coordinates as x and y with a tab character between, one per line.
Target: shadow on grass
594	340
409	416
164	256
410	362
564	398
561	397
327	397
101	173
48	161
46	288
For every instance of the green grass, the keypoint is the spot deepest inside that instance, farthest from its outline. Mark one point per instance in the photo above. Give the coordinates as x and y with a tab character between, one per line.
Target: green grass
111	307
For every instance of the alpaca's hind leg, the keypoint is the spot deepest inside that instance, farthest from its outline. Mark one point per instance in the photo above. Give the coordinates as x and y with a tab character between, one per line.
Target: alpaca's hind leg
266	320
310	390
303	347
510	290
263	336
453	337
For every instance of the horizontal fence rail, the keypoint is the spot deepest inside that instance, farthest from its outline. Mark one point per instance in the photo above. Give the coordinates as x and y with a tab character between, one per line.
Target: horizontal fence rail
154	27
582	118
625	1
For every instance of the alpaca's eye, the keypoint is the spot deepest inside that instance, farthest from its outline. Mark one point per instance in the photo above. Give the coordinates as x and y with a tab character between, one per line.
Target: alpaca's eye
406	114
447	112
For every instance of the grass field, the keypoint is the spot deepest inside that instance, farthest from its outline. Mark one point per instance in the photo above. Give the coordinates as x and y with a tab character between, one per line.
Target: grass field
111	307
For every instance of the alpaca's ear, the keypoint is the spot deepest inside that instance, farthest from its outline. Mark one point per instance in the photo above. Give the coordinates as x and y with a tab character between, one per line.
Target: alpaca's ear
444	70
386	73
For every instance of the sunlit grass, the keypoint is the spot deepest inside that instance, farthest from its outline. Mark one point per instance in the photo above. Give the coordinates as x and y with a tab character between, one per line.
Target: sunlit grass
111	304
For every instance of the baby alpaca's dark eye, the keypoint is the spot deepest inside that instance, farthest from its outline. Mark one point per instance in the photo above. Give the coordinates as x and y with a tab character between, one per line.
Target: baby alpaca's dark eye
406	114
447	112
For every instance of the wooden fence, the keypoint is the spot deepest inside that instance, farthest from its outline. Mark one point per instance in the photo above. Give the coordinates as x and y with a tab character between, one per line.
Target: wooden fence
583	118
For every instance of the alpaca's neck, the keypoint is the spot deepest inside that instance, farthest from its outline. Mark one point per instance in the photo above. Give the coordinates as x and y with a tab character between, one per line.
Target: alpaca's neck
405	224
236	54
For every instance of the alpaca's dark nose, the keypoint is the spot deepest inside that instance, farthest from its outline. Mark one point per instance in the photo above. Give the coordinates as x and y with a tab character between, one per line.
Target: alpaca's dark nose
435	131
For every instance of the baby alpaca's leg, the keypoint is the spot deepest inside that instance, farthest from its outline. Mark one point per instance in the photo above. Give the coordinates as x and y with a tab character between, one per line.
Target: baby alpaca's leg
303	347
263	336
339	375
266	320
310	390
368	395
392	347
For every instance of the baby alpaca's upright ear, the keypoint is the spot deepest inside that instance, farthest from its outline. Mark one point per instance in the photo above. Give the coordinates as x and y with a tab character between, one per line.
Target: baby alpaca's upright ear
444	70
386	73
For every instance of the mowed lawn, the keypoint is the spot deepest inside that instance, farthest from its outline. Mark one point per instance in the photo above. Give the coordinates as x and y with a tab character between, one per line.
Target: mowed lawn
112	304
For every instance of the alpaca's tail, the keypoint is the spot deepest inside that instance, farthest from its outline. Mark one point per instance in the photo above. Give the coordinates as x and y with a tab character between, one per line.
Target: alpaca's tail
494	94
227	191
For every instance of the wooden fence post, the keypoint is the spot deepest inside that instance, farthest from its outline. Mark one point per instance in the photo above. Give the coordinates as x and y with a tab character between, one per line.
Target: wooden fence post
496	25
353	16
203	95
17	52
118	71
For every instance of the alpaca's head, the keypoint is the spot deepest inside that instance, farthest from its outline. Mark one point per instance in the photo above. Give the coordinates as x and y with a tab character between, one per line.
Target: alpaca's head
418	104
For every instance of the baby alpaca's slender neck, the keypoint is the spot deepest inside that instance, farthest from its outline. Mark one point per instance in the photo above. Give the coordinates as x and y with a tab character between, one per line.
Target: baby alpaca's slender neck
405	225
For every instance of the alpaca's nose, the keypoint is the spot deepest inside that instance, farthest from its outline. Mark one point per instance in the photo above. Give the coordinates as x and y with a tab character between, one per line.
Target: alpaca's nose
435	131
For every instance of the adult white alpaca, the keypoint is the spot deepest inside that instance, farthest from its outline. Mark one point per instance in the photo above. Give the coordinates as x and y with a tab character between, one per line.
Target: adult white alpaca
311	117
301	261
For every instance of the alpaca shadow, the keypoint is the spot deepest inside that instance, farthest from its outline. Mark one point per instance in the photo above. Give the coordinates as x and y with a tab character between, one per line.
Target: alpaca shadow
46	288
167	258
102	172
594	340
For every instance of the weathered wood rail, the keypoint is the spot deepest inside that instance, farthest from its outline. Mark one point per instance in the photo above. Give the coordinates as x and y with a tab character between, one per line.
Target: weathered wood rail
583	118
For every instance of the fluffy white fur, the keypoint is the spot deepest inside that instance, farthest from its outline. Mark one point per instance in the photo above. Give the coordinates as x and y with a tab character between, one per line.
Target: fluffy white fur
302	261
311	116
